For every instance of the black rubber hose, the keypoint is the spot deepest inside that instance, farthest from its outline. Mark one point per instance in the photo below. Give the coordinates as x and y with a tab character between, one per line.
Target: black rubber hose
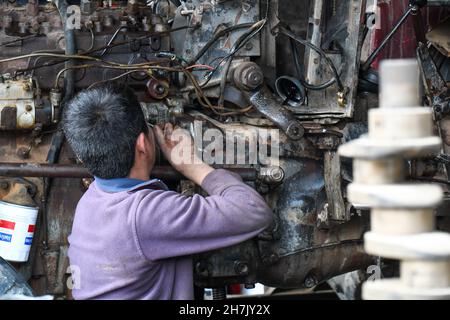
300	75
69	80
69	90
69	35
308	44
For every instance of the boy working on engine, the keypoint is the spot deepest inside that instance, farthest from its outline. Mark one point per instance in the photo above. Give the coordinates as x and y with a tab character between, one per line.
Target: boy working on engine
132	238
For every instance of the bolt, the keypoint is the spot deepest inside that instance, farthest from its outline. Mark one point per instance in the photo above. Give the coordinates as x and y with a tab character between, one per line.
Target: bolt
160	89
272	174
241	268
249	76
254	78
310	282
23	152
28	108
295	130
249	46
277	174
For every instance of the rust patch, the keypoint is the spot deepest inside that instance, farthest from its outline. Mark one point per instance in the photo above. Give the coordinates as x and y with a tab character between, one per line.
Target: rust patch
8	118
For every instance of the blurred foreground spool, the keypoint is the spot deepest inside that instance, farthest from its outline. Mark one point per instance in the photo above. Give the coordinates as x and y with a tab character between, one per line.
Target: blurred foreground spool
402	215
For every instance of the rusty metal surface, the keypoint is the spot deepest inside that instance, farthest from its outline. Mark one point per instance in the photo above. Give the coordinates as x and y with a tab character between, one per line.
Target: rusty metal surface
318	264
77	171
439	37
264	101
337	209
294	252
17	104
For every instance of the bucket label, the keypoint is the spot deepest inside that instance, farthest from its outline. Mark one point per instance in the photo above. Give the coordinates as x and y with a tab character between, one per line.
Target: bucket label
31	228
28	240
5	237
7	224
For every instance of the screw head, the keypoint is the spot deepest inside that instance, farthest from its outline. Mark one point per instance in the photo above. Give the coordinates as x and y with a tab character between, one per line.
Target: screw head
310	282
241	268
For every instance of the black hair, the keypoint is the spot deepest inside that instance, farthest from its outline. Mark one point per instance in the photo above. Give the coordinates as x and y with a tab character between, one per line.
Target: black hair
102	125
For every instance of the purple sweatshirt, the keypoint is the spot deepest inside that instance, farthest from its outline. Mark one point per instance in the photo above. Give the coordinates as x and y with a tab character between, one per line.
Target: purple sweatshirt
137	243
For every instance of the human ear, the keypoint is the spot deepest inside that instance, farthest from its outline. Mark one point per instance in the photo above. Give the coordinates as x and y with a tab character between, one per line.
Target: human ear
141	144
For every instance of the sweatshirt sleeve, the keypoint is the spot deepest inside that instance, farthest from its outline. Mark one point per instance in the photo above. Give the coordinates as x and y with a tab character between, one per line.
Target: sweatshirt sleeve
168	224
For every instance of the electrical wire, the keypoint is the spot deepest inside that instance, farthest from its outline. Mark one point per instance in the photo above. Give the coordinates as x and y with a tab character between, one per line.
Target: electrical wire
140	67
299	71
112	39
92	40
114	78
205	102
216	37
308	44
204	66
77	57
17	40
237	46
143	68
152	34
255	29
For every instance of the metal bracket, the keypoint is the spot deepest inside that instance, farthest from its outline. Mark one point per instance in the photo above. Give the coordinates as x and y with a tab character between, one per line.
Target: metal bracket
266	104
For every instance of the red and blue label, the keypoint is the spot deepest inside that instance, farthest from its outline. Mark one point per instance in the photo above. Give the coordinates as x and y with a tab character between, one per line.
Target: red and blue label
29	239
8	225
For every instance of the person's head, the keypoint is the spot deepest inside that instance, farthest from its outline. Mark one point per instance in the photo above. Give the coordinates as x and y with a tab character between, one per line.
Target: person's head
106	129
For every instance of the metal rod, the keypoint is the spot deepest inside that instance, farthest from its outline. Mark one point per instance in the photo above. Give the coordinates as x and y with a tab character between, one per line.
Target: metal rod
76	171
386	39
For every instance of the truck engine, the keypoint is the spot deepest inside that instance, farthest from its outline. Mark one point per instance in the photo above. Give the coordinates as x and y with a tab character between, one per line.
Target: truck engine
300	77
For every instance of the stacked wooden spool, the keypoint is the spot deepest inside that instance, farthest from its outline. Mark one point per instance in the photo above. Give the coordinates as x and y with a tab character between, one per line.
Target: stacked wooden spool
402	214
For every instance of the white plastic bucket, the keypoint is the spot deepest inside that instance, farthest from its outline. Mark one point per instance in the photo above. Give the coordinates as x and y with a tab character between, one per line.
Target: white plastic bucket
17	224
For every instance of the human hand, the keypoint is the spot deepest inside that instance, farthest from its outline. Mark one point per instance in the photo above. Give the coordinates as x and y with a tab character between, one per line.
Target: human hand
177	146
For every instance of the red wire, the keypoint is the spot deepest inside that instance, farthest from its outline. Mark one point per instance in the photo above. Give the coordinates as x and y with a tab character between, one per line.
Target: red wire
200	66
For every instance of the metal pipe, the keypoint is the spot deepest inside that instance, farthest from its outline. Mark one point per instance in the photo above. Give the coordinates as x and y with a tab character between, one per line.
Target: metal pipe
76	171
316	39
